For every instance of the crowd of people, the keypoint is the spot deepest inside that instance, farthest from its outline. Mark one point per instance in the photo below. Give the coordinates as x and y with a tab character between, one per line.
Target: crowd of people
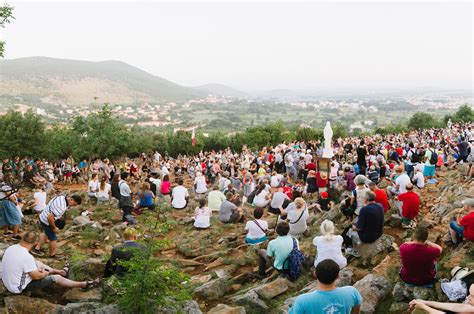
289	183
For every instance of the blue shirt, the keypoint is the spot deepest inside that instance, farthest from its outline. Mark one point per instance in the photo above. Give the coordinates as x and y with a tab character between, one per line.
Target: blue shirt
338	301
280	248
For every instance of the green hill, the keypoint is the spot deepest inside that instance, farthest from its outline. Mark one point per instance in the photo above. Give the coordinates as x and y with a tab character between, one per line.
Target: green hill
72	82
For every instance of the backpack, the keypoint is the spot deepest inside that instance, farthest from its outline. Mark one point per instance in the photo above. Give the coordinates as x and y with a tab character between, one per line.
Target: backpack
251	196
434	157
294	261
415	157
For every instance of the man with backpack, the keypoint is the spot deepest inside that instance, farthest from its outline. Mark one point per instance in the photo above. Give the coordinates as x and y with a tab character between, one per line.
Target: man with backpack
431	158
328	298
282	253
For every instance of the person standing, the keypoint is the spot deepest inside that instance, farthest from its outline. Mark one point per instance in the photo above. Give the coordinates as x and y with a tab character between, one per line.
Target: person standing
48	219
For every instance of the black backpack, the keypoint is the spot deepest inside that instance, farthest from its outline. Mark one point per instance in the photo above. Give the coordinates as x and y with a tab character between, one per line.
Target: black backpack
415	157
434	157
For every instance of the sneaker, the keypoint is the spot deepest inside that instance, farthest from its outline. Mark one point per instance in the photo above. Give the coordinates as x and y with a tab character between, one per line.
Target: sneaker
36	252
351	251
85	213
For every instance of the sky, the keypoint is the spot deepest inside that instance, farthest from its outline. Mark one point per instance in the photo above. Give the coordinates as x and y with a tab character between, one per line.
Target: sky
256	46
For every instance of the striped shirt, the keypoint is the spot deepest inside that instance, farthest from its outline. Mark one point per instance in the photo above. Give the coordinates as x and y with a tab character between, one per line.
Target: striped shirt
57	206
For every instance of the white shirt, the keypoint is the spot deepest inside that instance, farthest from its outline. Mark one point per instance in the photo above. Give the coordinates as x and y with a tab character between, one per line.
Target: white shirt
105	192
17	262
402	182
260	199
201	186
278	199
202	217
57	206
329	250
215	199
275	180
40	201
419	179
179	195
299	227
254	231
93	186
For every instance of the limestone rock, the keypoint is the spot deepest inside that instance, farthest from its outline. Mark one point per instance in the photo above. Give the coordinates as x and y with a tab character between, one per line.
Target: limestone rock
191	307
225	309
372	253
81	220
88	268
272	289
20	304
200	279
345	277
373	289
77	295
212	290
251	302
72	308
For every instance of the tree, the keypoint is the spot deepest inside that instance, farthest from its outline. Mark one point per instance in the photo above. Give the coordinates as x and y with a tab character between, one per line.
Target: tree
464	114
422	120
6	15
21	135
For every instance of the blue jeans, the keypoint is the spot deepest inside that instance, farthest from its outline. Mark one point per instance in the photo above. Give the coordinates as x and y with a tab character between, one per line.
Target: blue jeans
459	229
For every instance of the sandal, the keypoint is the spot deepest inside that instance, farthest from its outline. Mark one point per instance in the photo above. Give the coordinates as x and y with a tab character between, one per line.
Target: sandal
91	284
66	269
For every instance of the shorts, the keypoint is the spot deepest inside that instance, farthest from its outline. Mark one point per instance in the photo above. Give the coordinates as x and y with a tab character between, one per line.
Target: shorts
49	232
459	229
46	282
255	241
429	171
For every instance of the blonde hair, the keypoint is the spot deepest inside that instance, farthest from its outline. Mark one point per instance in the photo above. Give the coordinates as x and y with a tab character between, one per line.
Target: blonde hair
130	233
327	229
299	202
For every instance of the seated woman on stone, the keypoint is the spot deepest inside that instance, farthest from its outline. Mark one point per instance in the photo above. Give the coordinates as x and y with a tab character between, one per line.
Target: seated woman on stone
256	229
433	307
329	245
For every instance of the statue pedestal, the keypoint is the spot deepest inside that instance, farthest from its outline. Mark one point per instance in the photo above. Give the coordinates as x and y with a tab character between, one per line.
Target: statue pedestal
327	153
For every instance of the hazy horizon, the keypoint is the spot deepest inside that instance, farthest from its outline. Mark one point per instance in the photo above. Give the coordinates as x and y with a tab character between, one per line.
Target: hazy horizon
259	46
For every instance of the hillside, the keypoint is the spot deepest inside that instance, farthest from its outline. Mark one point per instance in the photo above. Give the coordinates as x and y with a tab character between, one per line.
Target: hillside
219	89
42	80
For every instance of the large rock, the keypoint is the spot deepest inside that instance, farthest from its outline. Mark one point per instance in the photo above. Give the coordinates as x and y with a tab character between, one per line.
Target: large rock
77	295
81	220
251	302
345	277
191	307
272	289
225	309
87	269
403	292
373	289
212	290
20	304
87	307
373	253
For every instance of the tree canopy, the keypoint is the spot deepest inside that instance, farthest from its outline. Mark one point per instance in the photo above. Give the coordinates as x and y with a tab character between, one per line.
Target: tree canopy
6	15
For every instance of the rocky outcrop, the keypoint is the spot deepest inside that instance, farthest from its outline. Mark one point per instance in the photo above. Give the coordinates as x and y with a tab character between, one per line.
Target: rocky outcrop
225	309
373	253
251	302
20	304
373	289
272	289
212	290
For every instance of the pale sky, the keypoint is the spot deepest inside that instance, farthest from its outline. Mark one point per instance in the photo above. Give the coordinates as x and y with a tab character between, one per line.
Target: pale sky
259	45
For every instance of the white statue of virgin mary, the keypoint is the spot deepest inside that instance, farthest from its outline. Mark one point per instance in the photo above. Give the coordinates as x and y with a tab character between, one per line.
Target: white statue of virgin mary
327	151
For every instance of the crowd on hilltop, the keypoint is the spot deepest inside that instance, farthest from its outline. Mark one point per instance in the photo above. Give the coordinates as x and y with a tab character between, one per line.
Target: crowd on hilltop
290	182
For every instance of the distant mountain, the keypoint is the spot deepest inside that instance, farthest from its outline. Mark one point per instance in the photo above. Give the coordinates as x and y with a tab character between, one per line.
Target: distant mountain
222	90
60	81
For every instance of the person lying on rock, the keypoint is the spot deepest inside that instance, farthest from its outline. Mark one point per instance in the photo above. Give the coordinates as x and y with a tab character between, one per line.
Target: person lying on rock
21	273
419	258
433	307
464	226
328	298
123	252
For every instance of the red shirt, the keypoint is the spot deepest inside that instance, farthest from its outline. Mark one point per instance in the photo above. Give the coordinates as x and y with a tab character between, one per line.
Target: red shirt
311	166
418	263
468	223
322	183
381	198
411	204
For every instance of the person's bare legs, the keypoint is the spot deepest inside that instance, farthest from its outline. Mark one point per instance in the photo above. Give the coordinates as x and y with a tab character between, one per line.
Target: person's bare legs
16	230
53	248
454	235
66	283
42	240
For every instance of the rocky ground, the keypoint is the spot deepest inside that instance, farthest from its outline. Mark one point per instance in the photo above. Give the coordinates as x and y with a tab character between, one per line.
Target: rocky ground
221	265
